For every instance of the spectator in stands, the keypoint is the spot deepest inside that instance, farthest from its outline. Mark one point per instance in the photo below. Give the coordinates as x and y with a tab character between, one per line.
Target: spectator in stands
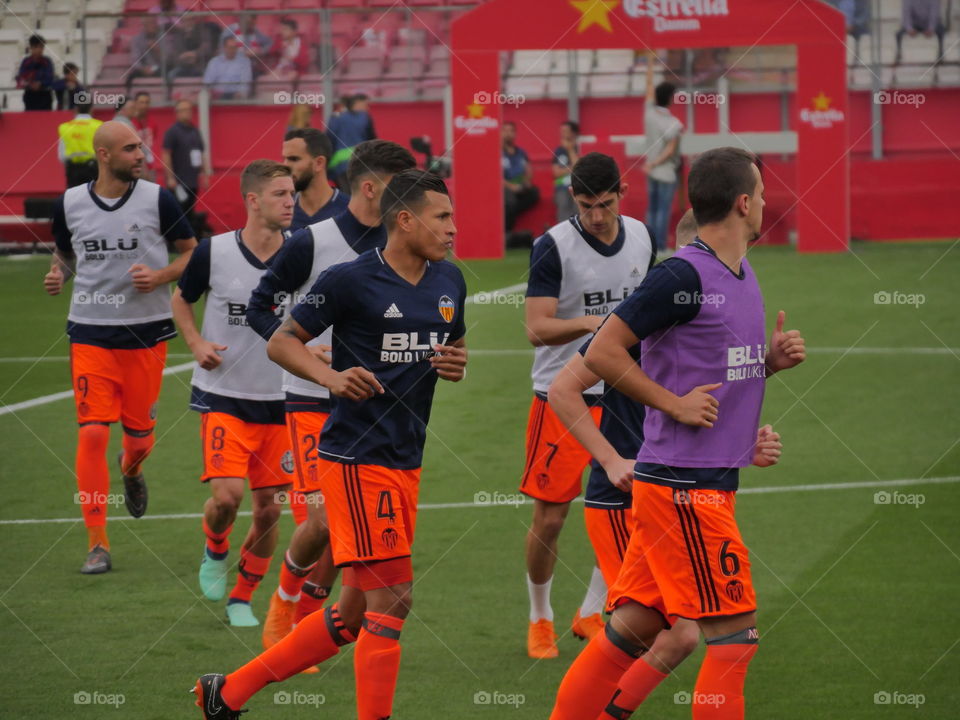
519	192
153	52
290	52
185	161
346	130
169	13
229	74
857	13
299	117
662	163
197	42
148	132
76	144
564	158
921	16
256	45
66	88
36	77
127	113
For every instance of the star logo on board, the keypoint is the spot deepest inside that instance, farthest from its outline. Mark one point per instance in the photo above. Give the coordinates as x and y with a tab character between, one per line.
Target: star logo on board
822	115
474	110
821	102
594	12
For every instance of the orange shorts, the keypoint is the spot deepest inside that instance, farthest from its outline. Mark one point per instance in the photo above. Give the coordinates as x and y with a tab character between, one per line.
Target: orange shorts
686	557
555	460
372	511
111	385
609	532
305	430
235	448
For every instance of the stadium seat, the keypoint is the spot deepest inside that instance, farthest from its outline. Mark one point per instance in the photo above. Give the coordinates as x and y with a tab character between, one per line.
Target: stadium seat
562	62
532	88
398	90
558	86
531	62
433	89
616	85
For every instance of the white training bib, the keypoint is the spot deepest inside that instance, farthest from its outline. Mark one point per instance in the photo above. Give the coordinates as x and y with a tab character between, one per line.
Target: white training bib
591	284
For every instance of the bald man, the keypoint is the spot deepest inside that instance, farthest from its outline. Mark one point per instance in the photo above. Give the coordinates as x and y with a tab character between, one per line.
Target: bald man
111	237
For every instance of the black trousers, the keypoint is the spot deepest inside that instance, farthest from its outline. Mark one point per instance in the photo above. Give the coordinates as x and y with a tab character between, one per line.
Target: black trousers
517	202
81	173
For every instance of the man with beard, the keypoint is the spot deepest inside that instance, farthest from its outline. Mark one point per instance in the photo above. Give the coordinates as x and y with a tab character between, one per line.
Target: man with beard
307	151
112	235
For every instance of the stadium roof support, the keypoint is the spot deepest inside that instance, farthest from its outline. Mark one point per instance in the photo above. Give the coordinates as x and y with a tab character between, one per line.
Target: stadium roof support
820	116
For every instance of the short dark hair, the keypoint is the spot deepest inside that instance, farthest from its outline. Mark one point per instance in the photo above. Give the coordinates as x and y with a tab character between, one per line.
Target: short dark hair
316	141
595	174
573	125
663	93
717	178
141	94
258	173
350	100
36	40
511	123
407	190
289	22
83	107
70	67
379	157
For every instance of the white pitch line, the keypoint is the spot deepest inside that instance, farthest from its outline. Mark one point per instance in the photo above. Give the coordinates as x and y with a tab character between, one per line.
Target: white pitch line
517	500
44	399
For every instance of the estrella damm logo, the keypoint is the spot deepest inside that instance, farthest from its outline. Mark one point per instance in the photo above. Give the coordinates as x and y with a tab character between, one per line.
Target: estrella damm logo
447	308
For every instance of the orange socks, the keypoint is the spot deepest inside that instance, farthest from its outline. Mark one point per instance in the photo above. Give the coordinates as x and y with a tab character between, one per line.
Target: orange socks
376	664
217	543
312	598
252	569
592	679
314	640
719	691
97	535
633	688
93	477
135	451
292	577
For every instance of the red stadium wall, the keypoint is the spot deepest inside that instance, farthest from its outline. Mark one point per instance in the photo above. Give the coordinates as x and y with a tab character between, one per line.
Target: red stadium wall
909	194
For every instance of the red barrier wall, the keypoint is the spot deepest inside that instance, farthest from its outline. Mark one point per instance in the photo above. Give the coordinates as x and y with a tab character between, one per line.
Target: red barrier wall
912	193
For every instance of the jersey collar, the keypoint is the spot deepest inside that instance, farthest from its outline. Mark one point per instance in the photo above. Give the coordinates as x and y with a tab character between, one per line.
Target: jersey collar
698	243
601	247
118	204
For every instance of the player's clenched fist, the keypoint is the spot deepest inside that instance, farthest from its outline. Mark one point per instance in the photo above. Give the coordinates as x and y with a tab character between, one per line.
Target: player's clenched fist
768	448
357	383
697	407
207	354
53	281
145	279
450	362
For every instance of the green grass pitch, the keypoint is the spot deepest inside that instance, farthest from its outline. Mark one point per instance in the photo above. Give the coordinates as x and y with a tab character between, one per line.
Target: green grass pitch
857	598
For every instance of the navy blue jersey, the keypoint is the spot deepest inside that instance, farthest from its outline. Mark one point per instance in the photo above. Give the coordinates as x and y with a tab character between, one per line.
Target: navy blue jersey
621	423
388	326
335	205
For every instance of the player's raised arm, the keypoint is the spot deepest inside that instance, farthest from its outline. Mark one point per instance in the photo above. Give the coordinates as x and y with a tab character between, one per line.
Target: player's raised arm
609	357
288	271
288	348
566	399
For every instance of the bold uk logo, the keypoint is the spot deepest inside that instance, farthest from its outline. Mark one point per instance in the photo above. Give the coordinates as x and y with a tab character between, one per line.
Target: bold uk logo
822	116
745	362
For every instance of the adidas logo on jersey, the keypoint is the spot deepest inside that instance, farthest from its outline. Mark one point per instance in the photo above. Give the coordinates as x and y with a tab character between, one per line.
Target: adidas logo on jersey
134	228
393	311
635	273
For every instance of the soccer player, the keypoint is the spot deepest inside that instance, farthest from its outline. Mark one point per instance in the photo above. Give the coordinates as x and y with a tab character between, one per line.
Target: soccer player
579	270
112	236
699	318
307	151
609	518
398	326
237	389
308	572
